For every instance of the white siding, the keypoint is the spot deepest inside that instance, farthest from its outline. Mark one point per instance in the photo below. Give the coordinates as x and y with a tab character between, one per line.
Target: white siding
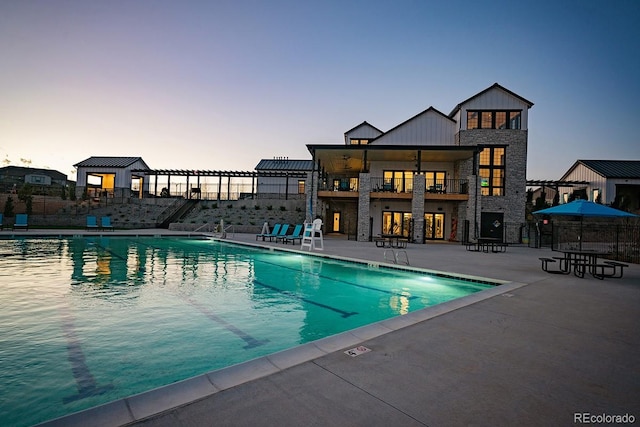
428	128
365	131
495	99
595	180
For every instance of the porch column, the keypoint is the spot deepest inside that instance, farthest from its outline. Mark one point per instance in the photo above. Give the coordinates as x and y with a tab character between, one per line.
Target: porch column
417	207
364	206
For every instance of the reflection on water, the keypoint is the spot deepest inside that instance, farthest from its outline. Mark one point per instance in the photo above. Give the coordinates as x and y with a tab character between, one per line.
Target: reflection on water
88	320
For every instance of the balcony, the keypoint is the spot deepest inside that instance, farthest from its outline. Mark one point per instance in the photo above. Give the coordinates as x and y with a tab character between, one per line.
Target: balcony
397	188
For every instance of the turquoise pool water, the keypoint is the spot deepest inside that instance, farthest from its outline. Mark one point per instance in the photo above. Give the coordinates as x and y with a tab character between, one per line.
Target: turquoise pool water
85	321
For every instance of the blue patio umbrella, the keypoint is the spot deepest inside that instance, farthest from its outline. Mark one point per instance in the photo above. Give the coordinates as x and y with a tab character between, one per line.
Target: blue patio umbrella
584	208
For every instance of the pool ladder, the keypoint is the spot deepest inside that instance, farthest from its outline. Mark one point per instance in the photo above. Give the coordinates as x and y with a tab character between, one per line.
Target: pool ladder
396	257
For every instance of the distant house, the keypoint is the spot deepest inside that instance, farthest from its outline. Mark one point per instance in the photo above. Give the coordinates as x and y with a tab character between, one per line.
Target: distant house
547	192
282	177
111	177
614	182
432	177
13	177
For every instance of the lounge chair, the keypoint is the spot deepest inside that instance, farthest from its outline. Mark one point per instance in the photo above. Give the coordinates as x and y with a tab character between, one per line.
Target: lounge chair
92	223
274	233
1	223
22	221
105	222
296	235
281	234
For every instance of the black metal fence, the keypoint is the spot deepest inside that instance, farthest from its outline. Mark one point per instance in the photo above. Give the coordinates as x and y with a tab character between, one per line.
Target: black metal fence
621	240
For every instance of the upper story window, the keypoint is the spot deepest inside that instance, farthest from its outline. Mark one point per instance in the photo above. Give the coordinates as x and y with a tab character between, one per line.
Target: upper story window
398	181
356	141
498	119
492	171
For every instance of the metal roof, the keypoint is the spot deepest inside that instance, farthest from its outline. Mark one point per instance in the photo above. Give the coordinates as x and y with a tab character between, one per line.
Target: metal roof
284	164
109	162
629	169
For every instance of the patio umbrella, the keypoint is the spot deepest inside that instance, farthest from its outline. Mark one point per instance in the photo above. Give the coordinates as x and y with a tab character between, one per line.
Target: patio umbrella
584	208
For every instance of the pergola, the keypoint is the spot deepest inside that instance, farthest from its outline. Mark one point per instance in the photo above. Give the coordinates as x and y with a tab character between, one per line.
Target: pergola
220	174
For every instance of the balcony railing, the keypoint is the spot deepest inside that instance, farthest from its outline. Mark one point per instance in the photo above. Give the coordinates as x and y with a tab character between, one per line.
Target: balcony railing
398	185
447	186
444	186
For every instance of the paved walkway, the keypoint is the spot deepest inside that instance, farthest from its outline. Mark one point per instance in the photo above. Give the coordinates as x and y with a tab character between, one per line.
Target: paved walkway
549	350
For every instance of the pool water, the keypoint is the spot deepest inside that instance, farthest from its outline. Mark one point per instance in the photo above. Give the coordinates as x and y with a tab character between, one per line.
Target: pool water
85	321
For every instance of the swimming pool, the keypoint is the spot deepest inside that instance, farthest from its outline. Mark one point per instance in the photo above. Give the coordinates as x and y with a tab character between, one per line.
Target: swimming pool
85	321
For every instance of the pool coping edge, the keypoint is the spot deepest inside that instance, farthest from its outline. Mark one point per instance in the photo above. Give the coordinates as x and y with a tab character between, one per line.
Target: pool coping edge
153	402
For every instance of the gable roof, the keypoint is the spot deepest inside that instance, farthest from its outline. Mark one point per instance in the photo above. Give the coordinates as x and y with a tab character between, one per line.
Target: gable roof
365	123
284	165
428	110
494	86
629	169
109	162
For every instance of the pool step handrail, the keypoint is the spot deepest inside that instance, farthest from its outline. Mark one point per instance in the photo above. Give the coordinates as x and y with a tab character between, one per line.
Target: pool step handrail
395	257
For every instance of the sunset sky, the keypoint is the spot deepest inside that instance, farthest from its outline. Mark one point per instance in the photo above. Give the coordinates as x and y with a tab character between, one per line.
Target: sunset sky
221	84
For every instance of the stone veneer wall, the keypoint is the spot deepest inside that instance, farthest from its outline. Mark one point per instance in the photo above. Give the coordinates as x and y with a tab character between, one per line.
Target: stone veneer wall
512	204
417	207
364	206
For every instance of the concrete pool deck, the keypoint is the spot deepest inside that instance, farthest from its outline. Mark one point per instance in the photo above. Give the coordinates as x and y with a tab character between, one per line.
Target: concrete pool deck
540	351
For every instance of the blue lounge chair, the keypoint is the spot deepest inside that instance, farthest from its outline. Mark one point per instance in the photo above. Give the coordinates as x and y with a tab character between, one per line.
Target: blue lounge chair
105	222
22	221
281	234
274	233
1	223
92	223
282	238
296	235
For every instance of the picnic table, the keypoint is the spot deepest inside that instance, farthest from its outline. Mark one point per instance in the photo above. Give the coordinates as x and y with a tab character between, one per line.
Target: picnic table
391	241
486	244
583	261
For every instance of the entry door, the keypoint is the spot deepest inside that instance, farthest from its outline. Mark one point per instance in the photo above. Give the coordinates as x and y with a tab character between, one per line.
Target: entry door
336	222
492	225
433	226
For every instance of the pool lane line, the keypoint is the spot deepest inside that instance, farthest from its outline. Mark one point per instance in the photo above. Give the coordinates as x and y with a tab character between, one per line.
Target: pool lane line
290	294
251	341
333	279
343	313
85	381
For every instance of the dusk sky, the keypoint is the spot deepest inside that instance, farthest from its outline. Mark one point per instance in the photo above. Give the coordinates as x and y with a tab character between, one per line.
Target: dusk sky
219	85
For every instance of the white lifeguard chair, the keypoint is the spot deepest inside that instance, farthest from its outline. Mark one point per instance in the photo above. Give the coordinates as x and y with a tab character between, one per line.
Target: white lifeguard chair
312	236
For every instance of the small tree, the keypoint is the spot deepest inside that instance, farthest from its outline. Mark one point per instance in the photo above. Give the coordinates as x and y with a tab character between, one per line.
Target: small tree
25	194
8	207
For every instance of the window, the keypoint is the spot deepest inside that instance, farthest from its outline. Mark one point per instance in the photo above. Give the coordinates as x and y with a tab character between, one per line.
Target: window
491	171
355	141
435	181
493	119
472	119
396	223
301	187
398	181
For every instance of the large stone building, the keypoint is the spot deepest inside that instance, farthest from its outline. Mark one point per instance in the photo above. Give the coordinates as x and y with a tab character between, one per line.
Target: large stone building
435	176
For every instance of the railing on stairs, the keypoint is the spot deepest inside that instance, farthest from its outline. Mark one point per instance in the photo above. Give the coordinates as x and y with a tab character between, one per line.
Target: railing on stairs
176	211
